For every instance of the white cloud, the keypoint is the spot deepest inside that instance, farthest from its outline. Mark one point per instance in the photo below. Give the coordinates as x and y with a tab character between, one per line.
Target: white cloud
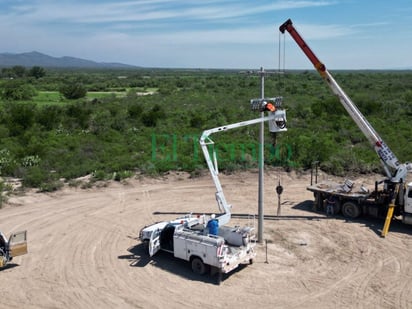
206	33
135	11
321	32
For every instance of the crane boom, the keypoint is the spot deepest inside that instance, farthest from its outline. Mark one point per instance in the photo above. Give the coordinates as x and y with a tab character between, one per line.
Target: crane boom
394	170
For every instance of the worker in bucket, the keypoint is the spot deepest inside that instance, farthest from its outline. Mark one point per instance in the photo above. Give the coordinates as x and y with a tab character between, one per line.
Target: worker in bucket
213	225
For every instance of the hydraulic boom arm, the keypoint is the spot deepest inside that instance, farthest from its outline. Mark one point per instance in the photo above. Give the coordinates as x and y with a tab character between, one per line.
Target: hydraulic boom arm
277	121
394	170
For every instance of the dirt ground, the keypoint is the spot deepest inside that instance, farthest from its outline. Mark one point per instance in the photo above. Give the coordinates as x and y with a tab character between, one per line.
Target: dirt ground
84	251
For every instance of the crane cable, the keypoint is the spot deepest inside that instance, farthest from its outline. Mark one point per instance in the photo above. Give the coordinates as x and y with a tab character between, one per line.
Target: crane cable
281	56
281	61
280	83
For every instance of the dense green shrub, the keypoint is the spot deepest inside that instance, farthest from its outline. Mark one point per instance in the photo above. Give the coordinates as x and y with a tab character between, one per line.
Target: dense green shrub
73	90
1	192
19	117
15	90
34	177
151	117
37	72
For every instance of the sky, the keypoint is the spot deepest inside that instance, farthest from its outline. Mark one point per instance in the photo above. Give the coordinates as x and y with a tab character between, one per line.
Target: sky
231	34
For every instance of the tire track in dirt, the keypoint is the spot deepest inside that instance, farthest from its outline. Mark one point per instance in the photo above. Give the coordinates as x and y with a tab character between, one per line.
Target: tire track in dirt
83	250
400	288
328	279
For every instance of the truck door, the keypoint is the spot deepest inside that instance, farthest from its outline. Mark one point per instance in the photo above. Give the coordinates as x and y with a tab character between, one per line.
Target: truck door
408	199
18	243
154	243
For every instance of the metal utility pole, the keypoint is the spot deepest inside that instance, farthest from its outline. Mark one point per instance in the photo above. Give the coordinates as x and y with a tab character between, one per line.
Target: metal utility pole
261	160
270	105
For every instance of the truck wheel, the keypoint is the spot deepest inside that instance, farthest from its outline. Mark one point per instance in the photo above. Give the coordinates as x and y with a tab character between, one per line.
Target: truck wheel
336	208
351	210
198	266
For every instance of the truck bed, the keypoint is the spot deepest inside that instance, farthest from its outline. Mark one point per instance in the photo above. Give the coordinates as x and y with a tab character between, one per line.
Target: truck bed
330	187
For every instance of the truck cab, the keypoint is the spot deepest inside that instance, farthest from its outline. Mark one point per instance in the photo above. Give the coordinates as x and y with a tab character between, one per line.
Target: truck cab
162	239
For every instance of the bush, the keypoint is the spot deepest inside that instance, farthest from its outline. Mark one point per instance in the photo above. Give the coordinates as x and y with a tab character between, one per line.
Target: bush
134	110
151	118
37	72
7	162
1	192
119	176
35	177
73	90
51	186
100	175
15	90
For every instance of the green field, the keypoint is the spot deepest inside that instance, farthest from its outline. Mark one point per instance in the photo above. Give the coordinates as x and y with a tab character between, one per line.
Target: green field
55	97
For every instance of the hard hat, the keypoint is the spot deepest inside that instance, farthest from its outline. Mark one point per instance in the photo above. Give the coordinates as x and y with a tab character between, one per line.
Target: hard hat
213	216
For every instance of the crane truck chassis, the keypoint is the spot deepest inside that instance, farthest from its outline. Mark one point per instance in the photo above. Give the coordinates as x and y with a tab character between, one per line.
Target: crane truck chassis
395	198
353	200
16	245
188	237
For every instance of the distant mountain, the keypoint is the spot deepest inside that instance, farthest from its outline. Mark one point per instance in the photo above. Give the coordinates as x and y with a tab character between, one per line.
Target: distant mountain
38	59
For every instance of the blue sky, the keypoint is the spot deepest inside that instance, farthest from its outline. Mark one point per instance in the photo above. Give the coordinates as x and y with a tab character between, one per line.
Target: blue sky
344	34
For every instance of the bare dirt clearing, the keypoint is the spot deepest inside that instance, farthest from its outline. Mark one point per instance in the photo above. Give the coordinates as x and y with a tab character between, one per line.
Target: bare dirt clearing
84	252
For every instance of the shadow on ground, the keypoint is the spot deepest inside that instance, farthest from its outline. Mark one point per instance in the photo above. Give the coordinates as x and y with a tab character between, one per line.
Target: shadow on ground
8	266
375	224
139	257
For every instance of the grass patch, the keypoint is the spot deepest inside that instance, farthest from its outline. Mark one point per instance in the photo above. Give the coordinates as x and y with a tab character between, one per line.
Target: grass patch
47	98
55	97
